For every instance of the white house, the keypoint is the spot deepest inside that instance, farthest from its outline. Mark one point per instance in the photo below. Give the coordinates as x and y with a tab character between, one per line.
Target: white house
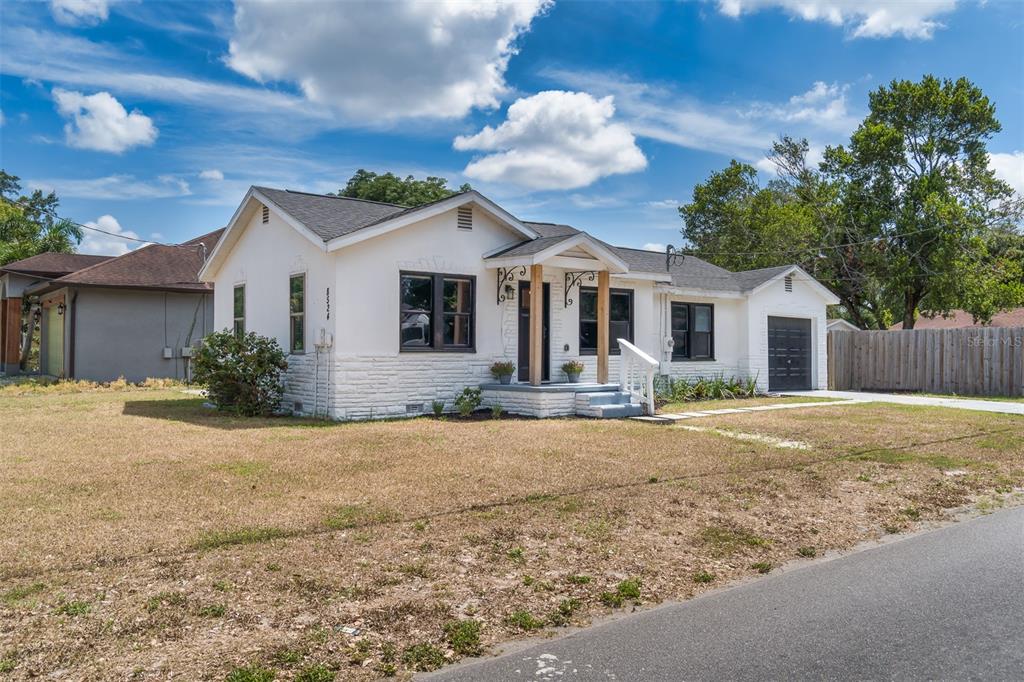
386	309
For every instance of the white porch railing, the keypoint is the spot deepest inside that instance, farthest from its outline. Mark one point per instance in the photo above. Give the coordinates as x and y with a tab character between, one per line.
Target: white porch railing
636	374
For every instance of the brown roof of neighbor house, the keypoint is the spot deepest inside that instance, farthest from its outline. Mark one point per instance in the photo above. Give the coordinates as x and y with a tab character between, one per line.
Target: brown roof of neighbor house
51	265
962	318
155	266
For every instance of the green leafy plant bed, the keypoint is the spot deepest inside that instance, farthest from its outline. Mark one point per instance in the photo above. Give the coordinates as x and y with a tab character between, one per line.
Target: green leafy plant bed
670	390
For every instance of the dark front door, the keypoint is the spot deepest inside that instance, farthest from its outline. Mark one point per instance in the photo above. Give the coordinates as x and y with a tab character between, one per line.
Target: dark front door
789	354
524	332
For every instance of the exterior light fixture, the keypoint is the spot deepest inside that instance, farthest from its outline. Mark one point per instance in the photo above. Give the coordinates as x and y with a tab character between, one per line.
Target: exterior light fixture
61	308
510	292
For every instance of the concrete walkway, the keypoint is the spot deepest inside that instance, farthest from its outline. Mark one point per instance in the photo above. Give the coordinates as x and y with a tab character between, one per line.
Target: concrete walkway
669	417
1005	407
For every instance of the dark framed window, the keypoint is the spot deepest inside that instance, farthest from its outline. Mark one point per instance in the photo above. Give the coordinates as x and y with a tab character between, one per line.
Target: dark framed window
620	319
297	312
239	309
437	312
693	331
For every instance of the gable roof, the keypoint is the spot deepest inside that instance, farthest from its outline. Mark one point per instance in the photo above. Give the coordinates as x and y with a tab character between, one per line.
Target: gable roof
962	318
50	264
330	216
154	266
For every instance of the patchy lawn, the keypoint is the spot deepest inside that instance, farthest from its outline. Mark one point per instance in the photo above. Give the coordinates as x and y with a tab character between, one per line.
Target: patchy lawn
701	405
144	536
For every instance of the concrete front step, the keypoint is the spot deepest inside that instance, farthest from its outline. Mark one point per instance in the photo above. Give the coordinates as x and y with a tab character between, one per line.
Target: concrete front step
585	400
613	411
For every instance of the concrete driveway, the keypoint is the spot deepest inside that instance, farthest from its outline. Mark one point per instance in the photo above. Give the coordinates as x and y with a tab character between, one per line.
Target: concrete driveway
1006	407
943	604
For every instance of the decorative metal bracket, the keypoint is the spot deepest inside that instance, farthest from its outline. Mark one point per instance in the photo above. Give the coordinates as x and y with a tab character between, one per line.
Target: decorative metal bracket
574	278
673	256
506	275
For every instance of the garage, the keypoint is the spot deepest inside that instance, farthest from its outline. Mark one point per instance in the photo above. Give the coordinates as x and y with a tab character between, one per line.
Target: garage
789	354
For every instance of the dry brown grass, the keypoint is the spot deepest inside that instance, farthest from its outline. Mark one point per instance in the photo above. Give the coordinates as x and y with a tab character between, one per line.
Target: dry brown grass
144	535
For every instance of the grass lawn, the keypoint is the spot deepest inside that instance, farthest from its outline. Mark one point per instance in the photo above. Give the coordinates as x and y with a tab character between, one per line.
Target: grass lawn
143	536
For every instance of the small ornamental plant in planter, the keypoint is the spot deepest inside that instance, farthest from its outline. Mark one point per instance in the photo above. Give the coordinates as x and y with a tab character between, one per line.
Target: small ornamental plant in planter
572	370
503	371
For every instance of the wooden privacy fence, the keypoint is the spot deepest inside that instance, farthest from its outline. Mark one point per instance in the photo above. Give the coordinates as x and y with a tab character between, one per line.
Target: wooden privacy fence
971	361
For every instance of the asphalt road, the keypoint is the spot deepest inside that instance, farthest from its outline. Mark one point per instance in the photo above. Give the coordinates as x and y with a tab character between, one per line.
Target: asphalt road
947	604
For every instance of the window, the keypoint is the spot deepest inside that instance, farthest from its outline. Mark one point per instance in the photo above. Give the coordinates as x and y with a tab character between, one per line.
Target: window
620	319
239	308
436	312
693	331
297	312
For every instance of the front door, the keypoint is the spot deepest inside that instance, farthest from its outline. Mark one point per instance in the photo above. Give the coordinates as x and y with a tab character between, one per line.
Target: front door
54	342
789	354
524	332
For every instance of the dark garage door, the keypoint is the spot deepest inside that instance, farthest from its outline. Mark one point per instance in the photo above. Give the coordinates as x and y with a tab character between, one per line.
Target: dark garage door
789	354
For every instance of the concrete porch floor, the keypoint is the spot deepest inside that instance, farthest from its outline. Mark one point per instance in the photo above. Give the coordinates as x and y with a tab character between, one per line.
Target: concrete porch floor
589	399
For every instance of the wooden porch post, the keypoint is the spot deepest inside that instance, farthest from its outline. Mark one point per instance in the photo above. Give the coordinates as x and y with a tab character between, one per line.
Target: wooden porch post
10	353
603	302
536	324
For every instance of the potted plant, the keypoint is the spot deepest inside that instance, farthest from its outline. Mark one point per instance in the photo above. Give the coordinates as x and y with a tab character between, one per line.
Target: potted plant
503	371
572	370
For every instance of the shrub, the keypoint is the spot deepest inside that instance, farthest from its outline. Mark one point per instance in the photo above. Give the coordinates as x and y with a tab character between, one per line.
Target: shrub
467	401
670	390
241	373
573	367
629	589
524	620
497	410
503	368
464	637
438	407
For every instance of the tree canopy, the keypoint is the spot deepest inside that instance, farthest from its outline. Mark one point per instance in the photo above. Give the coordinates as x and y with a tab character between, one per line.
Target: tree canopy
28	225
907	218
390	188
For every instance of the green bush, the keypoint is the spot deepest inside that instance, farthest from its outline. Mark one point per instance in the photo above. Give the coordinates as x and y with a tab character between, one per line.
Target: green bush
242	374
464	637
438	407
670	390
467	401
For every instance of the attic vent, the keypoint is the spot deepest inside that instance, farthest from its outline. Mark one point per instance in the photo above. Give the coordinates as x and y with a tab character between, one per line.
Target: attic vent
266	214
465	220
789	282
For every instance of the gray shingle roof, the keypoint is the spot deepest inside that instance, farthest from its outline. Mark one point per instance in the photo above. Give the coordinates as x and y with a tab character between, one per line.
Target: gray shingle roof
330	217
327	216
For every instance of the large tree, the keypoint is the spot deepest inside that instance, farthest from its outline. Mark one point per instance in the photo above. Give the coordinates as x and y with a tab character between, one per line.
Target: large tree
907	218
29	224
390	188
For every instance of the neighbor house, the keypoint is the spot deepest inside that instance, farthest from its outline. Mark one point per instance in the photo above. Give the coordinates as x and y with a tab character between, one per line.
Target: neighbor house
135	316
384	309
838	324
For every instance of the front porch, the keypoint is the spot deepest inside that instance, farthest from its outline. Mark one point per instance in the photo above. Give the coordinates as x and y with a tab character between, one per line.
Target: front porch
589	399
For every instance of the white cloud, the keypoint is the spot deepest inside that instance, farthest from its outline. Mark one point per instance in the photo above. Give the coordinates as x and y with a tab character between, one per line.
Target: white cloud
663	203
1009	167
653	246
105	244
100	122
80	12
376	61
554	140
115	187
211	174
743	131
914	19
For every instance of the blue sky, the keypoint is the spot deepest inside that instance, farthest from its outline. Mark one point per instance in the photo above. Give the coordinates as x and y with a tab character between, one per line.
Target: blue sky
153	119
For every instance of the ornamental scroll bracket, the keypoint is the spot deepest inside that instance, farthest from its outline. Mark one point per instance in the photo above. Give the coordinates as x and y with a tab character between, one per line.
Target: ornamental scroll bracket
573	279
505	276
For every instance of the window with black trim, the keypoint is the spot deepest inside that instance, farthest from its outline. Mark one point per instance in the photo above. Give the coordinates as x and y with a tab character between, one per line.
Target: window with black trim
437	312
239	309
693	331
620	319
297	312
